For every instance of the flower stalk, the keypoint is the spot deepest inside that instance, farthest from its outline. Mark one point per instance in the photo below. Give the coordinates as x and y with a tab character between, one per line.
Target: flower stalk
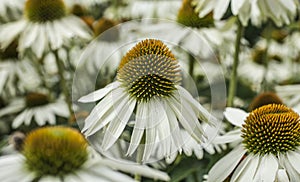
233	77
63	81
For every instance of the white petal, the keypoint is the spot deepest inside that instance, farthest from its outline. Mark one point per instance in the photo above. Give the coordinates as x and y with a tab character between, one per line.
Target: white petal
235	116
222	169
103	112
292	173
282	176
118	124
232	136
294	159
136	169
139	127
150	132
267	169
246	169
236	5
19	119
50	179
220	9
174	126
10	31
99	94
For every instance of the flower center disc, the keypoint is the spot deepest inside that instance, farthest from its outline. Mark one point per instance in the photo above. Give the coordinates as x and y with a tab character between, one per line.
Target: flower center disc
36	99
54	150
149	69
273	128
44	10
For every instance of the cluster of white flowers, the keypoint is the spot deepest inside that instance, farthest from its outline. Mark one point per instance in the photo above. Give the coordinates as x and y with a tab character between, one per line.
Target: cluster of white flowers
122	90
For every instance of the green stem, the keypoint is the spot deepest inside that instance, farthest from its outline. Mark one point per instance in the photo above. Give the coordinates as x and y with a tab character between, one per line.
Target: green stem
195	176
139	157
265	59
191	65
233	77
63	82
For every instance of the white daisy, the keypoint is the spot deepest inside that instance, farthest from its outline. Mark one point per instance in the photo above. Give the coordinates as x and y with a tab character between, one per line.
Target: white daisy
11	10
62	154
148	85
35	107
45	26
258	11
267	146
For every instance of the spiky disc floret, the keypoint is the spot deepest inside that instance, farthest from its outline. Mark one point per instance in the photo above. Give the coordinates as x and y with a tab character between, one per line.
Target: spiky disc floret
54	151
44	10
272	128
149	69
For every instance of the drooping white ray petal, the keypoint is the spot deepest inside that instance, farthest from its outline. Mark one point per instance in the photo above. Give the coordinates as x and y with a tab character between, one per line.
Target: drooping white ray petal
136	169
118	124
99	94
139	127
222	169
292	173
41	43
201	111
28	36
103	173
174	127
40	116
282	176
10	31
163	128
19	119
50	179
220	9
246	169
101	114
236	6
231	136
187	121
294	159
150	131
267	169
235	116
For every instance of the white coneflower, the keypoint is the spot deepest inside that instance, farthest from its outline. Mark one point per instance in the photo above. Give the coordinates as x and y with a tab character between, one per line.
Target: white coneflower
16	74
62	154
258	11
45	26
267	149
148	85
35	107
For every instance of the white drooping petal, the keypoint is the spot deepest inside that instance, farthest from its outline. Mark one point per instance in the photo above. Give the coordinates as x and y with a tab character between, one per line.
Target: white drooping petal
101	114
220	9
235	116
232	136
118	124
19	119
294	159
99	94
236	6
139	127
246	169
222	169
292	173
12	169
136	169
10	31
267	169
282	176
